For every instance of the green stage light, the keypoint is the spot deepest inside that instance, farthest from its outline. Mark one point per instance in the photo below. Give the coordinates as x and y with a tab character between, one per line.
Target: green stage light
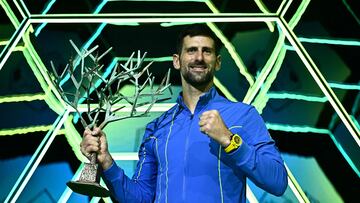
22	98
257	94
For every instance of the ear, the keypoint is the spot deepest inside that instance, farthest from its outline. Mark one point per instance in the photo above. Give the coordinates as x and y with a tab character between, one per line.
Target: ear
218	63
176	61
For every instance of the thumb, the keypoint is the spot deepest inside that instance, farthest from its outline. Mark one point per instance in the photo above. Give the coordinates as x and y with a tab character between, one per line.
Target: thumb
97	131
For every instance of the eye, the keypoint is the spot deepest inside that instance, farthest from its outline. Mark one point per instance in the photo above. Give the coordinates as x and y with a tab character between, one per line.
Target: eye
191	50
208	50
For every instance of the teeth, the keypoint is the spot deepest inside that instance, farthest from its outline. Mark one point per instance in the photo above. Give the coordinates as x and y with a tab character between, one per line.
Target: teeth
198	67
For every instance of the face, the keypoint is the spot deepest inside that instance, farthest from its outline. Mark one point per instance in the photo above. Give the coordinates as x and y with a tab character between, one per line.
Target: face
197	61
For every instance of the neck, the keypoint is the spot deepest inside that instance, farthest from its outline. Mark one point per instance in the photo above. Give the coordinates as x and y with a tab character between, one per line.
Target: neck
191	94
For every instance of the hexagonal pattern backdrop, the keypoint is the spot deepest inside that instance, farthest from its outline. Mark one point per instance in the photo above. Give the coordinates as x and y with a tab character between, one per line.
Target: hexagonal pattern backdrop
295	61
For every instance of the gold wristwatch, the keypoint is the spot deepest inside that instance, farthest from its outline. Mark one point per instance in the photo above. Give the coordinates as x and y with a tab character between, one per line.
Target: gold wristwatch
235	143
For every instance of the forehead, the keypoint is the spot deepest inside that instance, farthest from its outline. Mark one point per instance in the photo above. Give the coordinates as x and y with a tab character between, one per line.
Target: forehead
198	41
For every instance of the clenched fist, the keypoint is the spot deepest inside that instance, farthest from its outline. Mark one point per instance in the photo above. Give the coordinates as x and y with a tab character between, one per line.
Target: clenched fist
95	142
213	125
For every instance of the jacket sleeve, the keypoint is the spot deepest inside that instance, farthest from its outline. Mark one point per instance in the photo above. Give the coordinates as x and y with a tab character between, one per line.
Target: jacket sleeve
142	186
258	157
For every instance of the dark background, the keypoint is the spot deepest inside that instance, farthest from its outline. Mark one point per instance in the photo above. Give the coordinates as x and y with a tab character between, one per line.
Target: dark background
322	19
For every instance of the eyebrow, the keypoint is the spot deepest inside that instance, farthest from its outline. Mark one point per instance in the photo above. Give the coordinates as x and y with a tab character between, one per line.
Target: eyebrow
203	48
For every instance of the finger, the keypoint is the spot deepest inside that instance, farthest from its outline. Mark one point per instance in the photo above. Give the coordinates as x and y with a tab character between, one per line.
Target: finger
202	129
89	145
210	113
89	140
84	151
208	117
204	118
210	120
202	122
93	142
97	132
102	140
205	128
204	115
206	123
91	149
87	132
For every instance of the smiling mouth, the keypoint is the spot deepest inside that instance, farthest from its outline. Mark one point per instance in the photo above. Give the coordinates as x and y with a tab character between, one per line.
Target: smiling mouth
198	67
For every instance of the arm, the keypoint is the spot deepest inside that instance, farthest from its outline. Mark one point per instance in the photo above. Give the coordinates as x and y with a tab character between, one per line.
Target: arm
141	188
257	157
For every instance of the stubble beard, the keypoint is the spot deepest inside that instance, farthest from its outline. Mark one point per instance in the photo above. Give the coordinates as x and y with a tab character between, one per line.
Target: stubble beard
197	79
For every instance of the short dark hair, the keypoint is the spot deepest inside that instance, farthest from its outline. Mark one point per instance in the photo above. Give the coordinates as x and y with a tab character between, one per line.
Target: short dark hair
196	30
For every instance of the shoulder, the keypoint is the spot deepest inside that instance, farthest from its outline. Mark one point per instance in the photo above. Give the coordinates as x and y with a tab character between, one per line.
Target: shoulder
235	110
237	106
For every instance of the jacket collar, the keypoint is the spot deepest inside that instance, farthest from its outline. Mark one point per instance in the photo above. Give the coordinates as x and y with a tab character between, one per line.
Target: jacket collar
203	100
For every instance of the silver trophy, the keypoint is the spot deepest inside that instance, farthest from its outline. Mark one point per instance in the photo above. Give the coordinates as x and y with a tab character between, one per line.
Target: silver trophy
81	88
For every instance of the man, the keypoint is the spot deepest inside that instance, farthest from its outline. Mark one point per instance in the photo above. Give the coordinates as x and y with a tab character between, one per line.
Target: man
202	149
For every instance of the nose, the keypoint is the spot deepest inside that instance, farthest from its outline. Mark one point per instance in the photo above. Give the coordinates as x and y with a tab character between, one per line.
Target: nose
199	56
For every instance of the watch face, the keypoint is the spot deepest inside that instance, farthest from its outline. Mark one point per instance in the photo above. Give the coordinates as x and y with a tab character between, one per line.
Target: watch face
237	139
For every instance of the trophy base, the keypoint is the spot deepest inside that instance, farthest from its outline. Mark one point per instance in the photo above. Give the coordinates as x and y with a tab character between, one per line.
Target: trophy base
89	189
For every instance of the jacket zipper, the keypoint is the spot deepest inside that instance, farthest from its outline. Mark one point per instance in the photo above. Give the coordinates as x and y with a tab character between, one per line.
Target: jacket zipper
185	157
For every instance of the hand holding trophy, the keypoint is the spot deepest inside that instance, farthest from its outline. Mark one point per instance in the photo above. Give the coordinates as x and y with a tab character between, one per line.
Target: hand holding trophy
90	85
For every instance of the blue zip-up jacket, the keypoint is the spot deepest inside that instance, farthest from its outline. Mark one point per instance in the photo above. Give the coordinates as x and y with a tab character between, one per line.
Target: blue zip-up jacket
178	163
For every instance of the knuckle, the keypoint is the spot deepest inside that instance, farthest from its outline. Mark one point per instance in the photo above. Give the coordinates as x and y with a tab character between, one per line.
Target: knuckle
208	126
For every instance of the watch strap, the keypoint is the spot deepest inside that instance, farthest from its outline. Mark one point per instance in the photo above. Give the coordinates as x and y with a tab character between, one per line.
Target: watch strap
235	143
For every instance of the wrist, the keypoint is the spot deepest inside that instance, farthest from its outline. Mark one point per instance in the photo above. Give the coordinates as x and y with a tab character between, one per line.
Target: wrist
226	139
106	162
235	143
